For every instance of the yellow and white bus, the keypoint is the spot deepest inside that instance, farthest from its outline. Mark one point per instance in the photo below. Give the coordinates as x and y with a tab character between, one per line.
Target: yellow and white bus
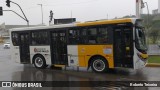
99	44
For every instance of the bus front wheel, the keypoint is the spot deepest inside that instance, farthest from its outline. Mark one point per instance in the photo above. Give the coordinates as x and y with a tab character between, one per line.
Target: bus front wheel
99	64
39	62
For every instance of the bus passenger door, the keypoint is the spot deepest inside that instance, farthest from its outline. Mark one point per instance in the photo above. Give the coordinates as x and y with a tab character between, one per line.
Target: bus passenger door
59	47
123	47
24	48
119	48
128	41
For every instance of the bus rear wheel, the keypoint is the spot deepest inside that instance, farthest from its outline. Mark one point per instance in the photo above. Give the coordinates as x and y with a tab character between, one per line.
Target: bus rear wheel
99	65
39	62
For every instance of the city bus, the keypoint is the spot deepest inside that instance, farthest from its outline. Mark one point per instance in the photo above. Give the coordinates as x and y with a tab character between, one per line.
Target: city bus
99	45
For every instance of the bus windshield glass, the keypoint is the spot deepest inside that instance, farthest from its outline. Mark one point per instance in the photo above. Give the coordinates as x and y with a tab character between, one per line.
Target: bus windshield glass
140	40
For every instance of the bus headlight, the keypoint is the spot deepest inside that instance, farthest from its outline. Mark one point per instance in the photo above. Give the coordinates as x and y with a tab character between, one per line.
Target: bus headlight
143	57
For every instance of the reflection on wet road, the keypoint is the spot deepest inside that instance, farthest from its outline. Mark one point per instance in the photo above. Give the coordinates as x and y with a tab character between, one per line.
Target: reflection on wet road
11	71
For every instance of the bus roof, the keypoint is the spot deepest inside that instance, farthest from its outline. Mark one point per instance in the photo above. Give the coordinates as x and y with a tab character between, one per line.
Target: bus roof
100	22
42	27
90	23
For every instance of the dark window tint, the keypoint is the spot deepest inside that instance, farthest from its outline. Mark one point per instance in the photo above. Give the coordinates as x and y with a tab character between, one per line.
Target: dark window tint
89	35
92	31
83	32
15	40
102	37
92	35
73	36
39	38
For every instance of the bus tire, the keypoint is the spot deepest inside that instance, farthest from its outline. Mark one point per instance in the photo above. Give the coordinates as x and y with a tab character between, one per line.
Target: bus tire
99	64
39	62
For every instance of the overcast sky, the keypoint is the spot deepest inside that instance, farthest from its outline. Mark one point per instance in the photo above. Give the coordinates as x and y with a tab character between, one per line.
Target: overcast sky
83	10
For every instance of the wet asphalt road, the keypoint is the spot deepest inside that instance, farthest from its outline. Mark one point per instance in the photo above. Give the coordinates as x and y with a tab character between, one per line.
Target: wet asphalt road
11	71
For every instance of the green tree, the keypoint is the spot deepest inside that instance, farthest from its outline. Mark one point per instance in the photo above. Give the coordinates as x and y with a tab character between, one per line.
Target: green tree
154	30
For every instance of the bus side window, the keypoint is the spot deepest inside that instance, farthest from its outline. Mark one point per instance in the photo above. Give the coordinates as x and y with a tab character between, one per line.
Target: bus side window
83	37
74	36
15	38
92	35
33	39
102	35
39	38
71	33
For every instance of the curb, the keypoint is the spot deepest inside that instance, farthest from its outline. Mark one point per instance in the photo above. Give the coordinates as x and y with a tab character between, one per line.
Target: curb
153	65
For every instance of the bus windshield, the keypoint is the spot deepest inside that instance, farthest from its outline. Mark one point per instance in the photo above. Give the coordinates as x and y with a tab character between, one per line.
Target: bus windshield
140	40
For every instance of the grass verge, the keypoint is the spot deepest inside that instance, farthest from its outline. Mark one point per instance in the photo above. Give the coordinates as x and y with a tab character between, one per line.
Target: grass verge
154	59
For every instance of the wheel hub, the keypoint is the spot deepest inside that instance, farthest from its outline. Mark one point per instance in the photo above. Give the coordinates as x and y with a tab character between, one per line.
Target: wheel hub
38	62
98	65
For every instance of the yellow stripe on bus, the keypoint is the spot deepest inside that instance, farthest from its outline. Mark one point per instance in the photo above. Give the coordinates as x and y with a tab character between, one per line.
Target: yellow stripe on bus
104	22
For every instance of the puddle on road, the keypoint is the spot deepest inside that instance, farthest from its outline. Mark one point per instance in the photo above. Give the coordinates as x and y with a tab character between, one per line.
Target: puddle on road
48	74
30	73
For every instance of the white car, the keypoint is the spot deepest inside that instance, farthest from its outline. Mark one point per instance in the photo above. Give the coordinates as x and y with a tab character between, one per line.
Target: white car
6	45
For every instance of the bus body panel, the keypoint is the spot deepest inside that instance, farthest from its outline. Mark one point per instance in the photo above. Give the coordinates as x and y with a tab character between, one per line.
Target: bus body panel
42	50
85	53
15	54
79	55
138	62
73	55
